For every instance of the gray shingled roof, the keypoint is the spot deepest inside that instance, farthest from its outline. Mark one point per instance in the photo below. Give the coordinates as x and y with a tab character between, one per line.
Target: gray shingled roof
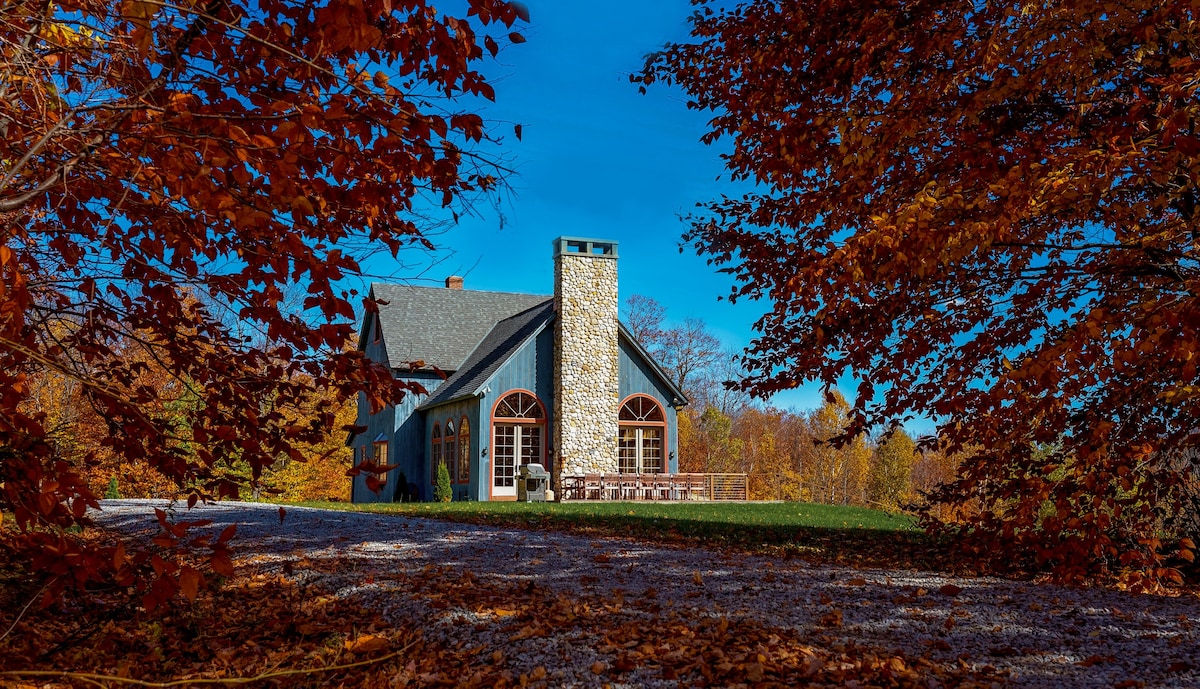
440	326
492	352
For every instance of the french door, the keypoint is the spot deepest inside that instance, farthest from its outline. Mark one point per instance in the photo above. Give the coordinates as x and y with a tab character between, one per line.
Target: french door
640	450
514	444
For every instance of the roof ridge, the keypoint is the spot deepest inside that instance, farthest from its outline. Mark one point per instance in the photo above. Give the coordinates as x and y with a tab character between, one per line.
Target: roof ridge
458	291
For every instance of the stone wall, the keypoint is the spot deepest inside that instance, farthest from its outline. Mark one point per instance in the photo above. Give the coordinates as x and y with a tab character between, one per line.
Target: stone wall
586	384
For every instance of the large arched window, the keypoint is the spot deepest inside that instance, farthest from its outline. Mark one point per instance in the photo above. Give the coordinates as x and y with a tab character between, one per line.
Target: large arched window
449	451
435	453
518	429
643	429
464	451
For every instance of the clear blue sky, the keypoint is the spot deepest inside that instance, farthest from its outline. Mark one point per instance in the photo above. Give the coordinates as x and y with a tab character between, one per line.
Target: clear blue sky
597	159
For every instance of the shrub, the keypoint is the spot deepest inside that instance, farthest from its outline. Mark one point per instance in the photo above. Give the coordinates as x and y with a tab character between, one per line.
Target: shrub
401	494
113	492
443	492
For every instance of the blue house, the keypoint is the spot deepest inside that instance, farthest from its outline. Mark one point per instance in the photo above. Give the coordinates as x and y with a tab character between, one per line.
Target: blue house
513	379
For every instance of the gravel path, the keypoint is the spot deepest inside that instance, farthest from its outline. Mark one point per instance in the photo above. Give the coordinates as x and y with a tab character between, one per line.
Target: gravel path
1044	636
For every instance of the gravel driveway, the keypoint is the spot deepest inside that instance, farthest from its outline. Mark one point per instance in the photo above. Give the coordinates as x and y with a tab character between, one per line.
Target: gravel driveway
1041	635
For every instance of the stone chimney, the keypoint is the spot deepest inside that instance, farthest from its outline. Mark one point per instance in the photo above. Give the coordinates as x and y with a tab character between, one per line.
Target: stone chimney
454	282
586	388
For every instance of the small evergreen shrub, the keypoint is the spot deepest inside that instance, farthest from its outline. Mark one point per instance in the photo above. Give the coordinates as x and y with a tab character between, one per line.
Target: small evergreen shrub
113	492
443	492
401	494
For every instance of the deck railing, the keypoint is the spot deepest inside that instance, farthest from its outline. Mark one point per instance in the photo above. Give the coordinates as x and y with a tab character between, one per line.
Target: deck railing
727	486
668	487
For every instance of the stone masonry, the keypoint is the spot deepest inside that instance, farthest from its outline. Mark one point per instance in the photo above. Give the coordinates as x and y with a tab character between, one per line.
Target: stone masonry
586	388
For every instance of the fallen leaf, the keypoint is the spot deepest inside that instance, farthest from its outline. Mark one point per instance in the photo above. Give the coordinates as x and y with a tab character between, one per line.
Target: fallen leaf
950	590
368	643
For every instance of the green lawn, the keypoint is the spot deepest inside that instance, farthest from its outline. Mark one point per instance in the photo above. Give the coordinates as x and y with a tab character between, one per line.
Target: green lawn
824	532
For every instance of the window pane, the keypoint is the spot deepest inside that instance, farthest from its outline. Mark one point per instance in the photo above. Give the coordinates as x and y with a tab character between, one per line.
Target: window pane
531	444
652	450
519	405
464	452
627	451
435	456
641	409
504	455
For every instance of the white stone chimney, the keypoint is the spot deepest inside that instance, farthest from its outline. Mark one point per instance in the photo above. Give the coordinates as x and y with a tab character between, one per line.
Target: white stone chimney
586	385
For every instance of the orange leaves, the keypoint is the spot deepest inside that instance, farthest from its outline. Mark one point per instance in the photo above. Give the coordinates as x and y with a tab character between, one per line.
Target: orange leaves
190	582
367	644
219	181
1011	252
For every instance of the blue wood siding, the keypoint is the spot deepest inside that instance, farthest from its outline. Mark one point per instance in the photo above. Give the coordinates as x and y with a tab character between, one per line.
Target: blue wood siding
531	368
404	429
455	412
638	377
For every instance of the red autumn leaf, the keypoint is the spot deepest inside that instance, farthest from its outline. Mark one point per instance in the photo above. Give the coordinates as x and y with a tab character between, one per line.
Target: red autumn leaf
190	581
157	234
221	564
367	644
956	240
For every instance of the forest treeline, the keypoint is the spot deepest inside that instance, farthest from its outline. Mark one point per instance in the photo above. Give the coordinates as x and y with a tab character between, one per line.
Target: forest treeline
81	437
787	454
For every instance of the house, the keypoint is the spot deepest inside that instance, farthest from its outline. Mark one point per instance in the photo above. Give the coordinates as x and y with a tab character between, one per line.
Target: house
514	379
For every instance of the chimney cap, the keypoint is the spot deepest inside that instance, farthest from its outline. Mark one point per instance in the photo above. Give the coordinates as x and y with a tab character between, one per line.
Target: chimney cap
454	282
584	246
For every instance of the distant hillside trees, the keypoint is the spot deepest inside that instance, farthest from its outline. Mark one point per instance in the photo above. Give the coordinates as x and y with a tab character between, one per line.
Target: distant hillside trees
787	454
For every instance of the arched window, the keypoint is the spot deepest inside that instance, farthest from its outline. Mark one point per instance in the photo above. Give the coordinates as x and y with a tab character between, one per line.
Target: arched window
464	451
449	452
518	427
435	453
642	431
520	405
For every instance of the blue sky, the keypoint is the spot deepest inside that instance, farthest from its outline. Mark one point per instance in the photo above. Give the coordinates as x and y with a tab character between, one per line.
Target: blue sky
597	159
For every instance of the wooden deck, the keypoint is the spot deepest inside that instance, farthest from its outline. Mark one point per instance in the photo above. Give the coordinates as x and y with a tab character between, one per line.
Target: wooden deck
666	487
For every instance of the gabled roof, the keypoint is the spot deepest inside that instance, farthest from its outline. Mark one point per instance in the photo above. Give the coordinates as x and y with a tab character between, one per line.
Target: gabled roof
505	339
626	333
440	326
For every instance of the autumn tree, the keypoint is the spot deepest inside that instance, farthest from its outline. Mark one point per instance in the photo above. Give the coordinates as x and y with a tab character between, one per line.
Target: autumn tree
838	463
987	212
685	350
320	474
889	482
718	450
165	166
644	317
717	385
